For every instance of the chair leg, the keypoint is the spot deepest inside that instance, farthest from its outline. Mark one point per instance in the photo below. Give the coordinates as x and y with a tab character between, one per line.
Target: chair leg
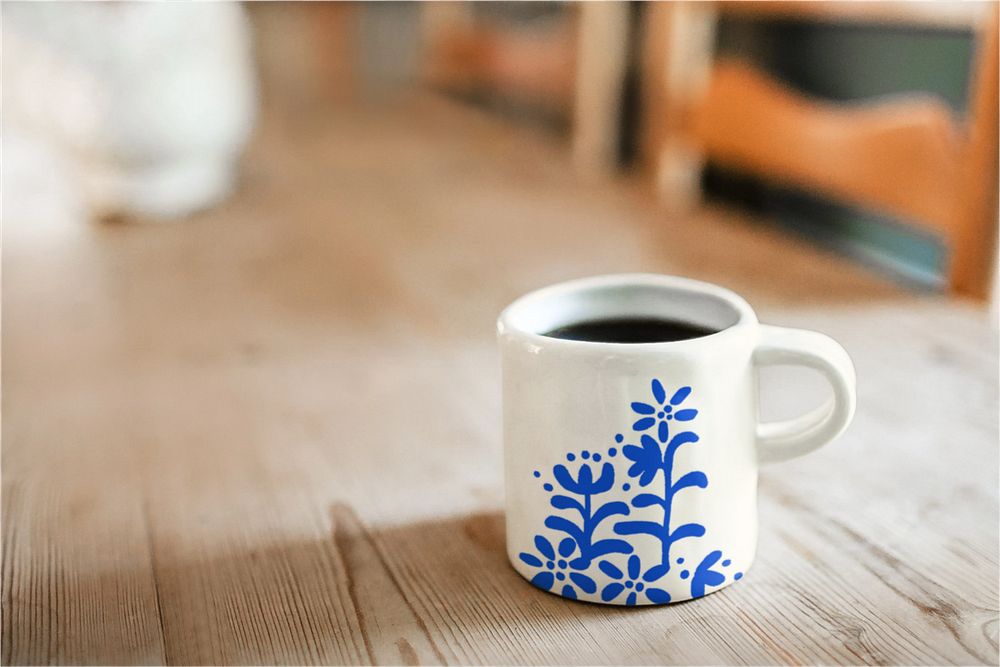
677	60
974	242
601	59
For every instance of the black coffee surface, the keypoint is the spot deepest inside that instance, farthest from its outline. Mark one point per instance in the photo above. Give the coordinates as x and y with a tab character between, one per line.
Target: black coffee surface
630	330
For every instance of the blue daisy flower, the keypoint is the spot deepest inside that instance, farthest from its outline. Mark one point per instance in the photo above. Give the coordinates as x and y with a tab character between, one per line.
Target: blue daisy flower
558	569
632	583
662	411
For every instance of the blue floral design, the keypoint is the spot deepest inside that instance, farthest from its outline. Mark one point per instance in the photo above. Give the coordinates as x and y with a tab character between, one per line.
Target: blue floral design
649	461
558	568
705	576
585	484
579	510
662	411
632	582
584	487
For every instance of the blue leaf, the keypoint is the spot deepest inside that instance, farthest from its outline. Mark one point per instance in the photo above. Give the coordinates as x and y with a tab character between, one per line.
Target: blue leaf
710	560
681	438
633	567
650	448
646	499
638	528
563	525
609	509
687	530
544	580
693	478
610	569
685	415
585	583
545	547
605	547
611	591
605	481
565	480
658	595
566	547
632	452
568	592
655	572
713	578
643	424
561	502
581	563
658	392
680	395
663	432
630	601
643	408
530	559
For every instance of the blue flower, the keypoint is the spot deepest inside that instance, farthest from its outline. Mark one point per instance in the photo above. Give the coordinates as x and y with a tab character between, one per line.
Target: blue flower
558	569
648	459
585	484
662	411
705	576
632	583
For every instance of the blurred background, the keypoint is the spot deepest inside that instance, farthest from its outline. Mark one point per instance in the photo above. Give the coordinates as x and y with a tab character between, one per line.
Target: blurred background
868	129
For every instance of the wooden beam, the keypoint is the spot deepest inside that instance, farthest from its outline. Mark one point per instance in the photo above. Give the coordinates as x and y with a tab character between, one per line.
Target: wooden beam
974	246
601	61
899	156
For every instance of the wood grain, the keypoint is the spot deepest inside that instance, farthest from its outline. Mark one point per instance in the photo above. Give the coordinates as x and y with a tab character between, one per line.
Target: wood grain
271	434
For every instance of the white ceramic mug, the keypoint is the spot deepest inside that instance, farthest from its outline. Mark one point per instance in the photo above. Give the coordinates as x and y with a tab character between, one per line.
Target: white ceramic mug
631	468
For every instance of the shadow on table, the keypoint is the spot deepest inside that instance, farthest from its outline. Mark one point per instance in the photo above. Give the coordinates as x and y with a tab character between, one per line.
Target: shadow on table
424	593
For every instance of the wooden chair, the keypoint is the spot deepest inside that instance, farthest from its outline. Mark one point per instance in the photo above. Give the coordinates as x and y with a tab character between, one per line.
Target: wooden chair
575	67
908	157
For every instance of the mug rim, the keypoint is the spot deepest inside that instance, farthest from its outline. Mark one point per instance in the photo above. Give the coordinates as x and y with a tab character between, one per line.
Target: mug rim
507	321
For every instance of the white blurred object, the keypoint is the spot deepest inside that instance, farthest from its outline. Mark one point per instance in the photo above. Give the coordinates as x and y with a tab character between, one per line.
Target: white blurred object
150	103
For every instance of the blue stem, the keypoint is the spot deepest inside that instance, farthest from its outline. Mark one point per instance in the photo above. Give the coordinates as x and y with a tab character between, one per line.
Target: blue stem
668	499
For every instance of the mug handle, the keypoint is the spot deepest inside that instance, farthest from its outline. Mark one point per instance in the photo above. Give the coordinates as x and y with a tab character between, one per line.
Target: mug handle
781	440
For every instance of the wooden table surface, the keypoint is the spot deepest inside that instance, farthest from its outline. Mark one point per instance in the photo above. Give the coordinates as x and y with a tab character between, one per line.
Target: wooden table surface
271	434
